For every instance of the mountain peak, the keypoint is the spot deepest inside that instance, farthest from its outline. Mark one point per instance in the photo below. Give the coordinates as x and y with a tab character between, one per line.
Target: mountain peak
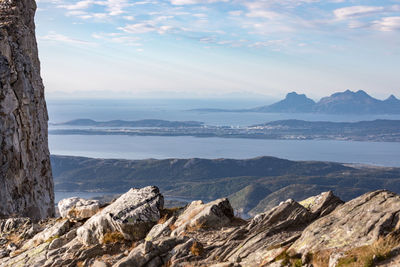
295	95
293	103
392	98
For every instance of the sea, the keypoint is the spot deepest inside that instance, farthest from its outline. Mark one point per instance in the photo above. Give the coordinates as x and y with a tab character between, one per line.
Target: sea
158	147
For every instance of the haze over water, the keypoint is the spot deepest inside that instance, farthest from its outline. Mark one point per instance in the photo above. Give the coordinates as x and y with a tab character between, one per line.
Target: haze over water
142	147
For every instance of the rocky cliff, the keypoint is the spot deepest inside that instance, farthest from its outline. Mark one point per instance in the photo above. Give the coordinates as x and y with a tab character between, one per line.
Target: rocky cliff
137	230
26	186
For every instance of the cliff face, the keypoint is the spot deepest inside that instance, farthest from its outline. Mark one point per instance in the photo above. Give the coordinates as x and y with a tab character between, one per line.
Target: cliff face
26	185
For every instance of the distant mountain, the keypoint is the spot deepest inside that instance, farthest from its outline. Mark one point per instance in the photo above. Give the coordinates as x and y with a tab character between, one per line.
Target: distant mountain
293	103
347	102
139	123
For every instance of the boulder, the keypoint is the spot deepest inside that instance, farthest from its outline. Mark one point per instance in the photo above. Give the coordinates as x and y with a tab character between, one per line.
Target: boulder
199	215
142	256
12	224
77	208
160	230
133	215
269	230
356	223
55	231
322	204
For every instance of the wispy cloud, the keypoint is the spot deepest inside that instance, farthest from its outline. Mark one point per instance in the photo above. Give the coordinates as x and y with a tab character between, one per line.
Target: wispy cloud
387	24
193	2
356	11
57	37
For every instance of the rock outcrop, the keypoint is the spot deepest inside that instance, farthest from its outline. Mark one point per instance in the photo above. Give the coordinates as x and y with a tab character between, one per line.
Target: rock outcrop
319	231
359	222
132	215
26	185
77	209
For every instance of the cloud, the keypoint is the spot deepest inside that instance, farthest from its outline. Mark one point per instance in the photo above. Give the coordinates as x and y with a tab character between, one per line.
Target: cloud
138	28
236	13
356	11
56	37
113	7
194	2
146	27
79	5
387	24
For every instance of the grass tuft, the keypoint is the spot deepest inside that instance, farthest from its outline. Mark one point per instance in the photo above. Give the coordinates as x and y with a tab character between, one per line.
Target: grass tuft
113	237
197	249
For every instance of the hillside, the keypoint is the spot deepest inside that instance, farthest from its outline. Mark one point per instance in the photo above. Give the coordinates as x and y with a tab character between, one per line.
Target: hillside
247	182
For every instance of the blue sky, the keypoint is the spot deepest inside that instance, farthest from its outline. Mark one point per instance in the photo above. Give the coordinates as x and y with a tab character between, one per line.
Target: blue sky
218	48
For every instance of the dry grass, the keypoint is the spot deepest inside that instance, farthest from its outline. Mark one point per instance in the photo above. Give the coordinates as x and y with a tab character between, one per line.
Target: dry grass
113	237
172	227
367	255
73	213
13	238
167	213
364	256
197	248
320	258
197	226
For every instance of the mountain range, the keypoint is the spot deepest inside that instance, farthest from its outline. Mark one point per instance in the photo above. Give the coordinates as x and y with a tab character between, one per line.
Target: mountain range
347	102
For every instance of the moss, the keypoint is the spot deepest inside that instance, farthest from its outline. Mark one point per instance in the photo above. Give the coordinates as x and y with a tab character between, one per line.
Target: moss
288	260
52	238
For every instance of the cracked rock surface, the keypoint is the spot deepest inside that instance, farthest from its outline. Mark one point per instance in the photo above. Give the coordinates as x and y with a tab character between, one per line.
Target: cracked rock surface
26	184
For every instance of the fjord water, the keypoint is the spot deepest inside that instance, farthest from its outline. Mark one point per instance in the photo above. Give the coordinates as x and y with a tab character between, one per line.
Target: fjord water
142	147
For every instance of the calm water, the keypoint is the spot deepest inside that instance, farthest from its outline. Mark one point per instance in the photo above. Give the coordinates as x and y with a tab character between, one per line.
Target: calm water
101	110
143	147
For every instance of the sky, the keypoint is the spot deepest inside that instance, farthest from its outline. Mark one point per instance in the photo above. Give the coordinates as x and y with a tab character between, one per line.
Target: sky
218	48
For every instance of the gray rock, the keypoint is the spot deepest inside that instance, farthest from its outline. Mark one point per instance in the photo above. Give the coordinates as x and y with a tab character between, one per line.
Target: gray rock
133	215
98	263
138	259
199	215
322	204
77	208
13	224
4	253
53	232
358	222
26	184
11	247
160	230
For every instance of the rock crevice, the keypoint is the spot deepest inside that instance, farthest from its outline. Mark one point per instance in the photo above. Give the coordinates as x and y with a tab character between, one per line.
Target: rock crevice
26	185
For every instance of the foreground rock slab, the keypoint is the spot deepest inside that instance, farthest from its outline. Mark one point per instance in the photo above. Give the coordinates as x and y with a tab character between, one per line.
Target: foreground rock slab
319	231
132	215
358	222
77	208
199	215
